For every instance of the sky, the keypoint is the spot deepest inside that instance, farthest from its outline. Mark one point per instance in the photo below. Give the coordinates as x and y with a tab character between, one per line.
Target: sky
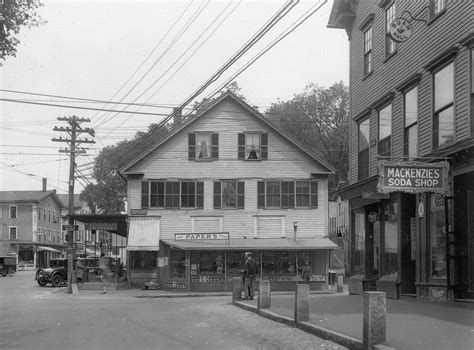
151	52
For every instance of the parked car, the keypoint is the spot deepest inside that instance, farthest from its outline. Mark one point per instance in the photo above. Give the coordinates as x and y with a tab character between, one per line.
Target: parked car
7	266
56	273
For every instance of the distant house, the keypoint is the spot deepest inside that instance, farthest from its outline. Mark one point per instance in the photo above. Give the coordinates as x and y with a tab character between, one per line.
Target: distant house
80	207
30	226
219	184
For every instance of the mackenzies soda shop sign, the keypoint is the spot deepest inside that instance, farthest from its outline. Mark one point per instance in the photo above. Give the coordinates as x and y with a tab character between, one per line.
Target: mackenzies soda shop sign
413	177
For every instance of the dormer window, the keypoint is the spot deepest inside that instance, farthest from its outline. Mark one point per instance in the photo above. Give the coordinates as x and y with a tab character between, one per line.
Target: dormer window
253	146
203	146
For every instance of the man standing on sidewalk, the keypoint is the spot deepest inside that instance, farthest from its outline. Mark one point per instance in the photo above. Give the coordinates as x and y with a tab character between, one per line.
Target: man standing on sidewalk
250	271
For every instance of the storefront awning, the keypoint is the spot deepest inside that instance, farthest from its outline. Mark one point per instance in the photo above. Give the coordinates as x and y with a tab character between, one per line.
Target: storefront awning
49	249
254	244
144	234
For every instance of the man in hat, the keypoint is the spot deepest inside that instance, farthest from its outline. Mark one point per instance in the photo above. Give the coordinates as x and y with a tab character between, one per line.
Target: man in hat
250	271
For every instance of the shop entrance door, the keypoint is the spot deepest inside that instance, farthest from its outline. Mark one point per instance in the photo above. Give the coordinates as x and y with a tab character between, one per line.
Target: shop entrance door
408	244
470	228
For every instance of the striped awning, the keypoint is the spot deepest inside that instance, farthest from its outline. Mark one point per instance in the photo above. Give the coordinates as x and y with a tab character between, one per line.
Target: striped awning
144	234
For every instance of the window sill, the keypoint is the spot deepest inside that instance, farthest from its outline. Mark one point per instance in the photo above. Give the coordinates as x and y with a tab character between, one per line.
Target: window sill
433	18
202	160
389	56
367	75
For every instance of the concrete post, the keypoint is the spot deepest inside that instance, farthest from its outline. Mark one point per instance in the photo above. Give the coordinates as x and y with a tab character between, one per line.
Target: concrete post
340	284
302	302
263	294
236	289
374	329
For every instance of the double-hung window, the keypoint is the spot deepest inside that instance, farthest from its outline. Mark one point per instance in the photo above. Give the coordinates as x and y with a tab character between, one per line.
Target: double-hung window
390	45
13	233
229	194
443	117
172	194
385	131
363	153
252	146
368	51
287	194
13	212
203	146
410	140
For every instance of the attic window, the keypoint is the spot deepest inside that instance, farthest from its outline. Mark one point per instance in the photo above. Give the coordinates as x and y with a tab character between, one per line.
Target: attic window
203	146
253	146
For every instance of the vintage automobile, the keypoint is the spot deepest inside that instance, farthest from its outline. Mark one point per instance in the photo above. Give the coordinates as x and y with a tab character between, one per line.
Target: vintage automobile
56	273
7	266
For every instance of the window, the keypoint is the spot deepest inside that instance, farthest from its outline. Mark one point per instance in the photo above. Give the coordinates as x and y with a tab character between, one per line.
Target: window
39	213
253	146
13	232
49	215
143	259
13	212
44	214
287	194
390	45
359	243
390	251
368	51
172	194
443	118
410	140
385	131
363	155
229	194
437	6
203	146
437	236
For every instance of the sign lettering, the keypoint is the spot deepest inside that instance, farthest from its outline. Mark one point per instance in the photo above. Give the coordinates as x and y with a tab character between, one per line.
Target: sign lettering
400	30
106	226
201	236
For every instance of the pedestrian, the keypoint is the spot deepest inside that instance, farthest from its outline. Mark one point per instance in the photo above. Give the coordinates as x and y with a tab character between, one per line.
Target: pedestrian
80	271
250	272
306	272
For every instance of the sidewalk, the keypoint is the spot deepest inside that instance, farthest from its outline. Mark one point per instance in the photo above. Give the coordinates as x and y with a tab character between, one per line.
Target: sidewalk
411	324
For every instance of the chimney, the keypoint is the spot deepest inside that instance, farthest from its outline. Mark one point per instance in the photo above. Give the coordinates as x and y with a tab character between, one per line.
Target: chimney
177	115
45	181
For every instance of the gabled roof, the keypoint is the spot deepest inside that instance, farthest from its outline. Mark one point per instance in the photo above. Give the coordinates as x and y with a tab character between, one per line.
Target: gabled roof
28	196
252	112
64	197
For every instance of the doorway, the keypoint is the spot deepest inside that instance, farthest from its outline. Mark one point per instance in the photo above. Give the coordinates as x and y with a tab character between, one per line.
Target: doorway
408	244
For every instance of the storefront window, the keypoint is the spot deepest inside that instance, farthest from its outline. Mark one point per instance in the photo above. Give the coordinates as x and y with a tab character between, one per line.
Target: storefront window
177	264
143	259
390	258
437	236
359	242
278	263
208	263
235	262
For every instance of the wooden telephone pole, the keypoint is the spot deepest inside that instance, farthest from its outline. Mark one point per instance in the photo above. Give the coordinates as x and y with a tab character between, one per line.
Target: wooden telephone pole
73	130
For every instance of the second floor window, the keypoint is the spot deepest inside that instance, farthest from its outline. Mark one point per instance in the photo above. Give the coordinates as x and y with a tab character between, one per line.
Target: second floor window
410	139
13	232
253	146
229	194
443	117
172	194
368	51
385	131
203	146
437	6
287	194
363	153
390	45
13	212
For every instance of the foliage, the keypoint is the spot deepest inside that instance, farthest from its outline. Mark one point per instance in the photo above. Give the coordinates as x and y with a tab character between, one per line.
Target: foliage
319	119
14	15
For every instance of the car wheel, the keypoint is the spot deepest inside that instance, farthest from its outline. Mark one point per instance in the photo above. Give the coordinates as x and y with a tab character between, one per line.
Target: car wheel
4	274
11	273
57	280
42	283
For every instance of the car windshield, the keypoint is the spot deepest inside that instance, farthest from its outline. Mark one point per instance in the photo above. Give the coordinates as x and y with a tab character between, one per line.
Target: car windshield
58	263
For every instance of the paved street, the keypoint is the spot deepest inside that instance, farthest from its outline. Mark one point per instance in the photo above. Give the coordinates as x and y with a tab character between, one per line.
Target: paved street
34	317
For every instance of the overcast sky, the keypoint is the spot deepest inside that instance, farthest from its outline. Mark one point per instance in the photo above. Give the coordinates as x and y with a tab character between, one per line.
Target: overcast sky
99	49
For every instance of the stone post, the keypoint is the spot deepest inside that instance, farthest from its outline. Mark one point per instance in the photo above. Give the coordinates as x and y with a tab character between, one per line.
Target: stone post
340	284
302	302
236	289
263	294
374	329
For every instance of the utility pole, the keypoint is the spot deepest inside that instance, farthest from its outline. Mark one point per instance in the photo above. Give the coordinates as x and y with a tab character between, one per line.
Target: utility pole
73	130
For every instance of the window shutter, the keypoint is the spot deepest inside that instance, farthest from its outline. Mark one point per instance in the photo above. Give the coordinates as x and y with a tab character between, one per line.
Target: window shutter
264	146
217	195
200	195
215	146
314	194
261	194
191	146
240	194
292	194
145	194
241	146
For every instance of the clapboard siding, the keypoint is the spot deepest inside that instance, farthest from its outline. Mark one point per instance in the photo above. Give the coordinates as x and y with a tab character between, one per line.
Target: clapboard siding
428	42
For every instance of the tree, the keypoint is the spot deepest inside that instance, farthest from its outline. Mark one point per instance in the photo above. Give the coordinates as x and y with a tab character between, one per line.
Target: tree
14	15
319	118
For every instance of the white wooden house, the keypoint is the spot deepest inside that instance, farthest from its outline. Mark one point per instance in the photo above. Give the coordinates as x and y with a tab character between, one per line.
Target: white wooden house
222	183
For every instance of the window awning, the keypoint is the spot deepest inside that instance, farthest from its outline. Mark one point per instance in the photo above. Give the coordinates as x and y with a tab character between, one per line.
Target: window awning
144	234
49	249
254	244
